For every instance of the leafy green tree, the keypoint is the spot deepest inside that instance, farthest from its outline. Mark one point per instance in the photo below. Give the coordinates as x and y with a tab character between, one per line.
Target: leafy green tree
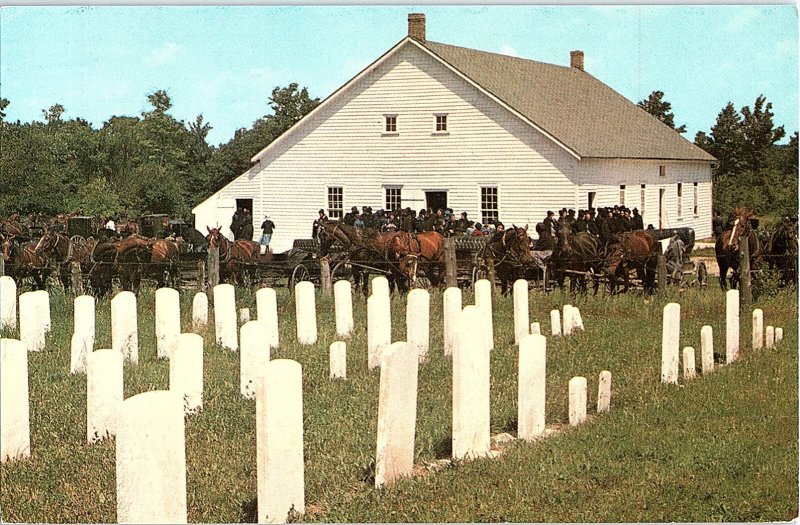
759	133
661	109
725	141
97	198
4	102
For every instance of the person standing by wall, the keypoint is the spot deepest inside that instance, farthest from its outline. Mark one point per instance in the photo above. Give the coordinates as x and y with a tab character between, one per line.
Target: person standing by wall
267	228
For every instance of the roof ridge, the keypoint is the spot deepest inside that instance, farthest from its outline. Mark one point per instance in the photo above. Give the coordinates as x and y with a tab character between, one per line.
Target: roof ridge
512	57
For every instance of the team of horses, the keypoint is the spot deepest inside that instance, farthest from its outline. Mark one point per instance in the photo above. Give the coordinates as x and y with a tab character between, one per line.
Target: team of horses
405	258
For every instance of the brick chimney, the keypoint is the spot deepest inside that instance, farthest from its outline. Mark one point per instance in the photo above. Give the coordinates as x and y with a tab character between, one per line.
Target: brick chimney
416	26
576	59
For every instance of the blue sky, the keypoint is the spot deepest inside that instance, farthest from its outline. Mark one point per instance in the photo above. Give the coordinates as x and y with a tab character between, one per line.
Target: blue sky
224	62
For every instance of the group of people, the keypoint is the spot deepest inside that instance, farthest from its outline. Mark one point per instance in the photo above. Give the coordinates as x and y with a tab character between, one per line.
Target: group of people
443	221
242	228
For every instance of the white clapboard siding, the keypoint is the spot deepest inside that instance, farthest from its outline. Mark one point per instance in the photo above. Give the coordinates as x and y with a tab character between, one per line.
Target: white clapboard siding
343	145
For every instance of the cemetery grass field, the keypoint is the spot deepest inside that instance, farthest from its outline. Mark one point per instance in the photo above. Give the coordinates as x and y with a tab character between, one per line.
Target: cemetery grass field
722	447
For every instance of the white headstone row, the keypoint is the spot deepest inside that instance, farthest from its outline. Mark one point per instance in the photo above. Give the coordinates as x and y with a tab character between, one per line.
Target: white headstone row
8	303
15	428
34	319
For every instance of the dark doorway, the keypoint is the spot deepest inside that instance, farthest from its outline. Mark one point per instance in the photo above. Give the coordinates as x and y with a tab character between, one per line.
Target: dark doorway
590	200
436	200
241	204
661	218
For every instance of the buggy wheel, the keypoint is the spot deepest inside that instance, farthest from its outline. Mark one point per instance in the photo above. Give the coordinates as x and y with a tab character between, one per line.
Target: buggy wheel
479	272
342	270
702	275
423	282
77	241
300	273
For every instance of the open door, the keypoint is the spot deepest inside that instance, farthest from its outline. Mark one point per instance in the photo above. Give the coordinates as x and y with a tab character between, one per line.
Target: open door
662	220
436	200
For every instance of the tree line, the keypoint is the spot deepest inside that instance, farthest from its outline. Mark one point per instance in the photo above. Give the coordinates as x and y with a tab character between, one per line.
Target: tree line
156	163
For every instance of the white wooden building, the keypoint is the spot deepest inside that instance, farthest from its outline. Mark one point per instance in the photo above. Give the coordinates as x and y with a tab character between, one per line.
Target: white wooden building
429	124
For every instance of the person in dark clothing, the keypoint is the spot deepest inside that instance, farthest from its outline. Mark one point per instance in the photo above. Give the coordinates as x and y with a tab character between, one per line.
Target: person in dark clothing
246	228
350	217
549	224
605	229
582	223
236	224
315	228
717	224
463	223
408	220
367	217
545	241
267	227
636	220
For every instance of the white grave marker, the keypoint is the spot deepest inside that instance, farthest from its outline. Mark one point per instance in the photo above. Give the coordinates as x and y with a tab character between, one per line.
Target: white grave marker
31	322
521	310
151	459
186	372
604	392
267	310
555	323
689	368
84	318
731	326
80	348
338	360
536	328
343	304
199	311
244	315
452	307
43	308
531	386
577	320
8	303
379	328
254	354
124	328
670	343
279	441
470	387
707	349
770	337
225	326
380	285
758	329
15	426
567	320
104	391
168	321
577	400
778	335
418	311
483	300
397	414
306	312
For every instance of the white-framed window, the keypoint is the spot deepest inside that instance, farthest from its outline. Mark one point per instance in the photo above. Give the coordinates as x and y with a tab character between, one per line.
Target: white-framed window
680	199
489	204
335	202
642	198
440	123
695	209
622	195
394	198
390	123
662	171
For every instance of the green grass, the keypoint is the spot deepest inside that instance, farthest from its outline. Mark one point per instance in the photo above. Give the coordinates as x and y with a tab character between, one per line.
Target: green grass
718	448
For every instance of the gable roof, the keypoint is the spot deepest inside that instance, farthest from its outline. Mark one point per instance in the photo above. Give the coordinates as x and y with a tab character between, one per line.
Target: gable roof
578	110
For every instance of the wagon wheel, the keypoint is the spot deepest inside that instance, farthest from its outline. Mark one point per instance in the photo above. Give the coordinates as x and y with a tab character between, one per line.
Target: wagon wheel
423	282
77	241
479	271
300	273
702	275
342	270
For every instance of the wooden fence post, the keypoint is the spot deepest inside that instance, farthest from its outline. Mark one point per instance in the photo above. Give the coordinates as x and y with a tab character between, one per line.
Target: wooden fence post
201	276
76	276
213	267
662	272
450	264
2	266
744	271
325	276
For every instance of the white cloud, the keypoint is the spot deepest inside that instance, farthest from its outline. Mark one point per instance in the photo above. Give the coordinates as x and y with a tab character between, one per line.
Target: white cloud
510	51
164	54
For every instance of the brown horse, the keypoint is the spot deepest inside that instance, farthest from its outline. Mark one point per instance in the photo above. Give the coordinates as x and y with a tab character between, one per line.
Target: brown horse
21	262
727	246
576	252
636	250
59	250
367	250
237	259
510	250
126	227
163	259
14	228
419	251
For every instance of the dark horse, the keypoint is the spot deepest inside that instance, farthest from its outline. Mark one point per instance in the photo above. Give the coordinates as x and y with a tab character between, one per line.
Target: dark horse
163	262
237	259
581	253
58	249
122	258
781	250
510	251
727	247
21	262
366	249
637	250
419	251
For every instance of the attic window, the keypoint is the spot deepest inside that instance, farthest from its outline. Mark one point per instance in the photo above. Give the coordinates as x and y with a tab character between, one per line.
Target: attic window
441	123
390	123
662	171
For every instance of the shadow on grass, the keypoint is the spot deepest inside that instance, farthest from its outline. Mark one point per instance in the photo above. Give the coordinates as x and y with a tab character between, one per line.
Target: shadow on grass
248	512
443	448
